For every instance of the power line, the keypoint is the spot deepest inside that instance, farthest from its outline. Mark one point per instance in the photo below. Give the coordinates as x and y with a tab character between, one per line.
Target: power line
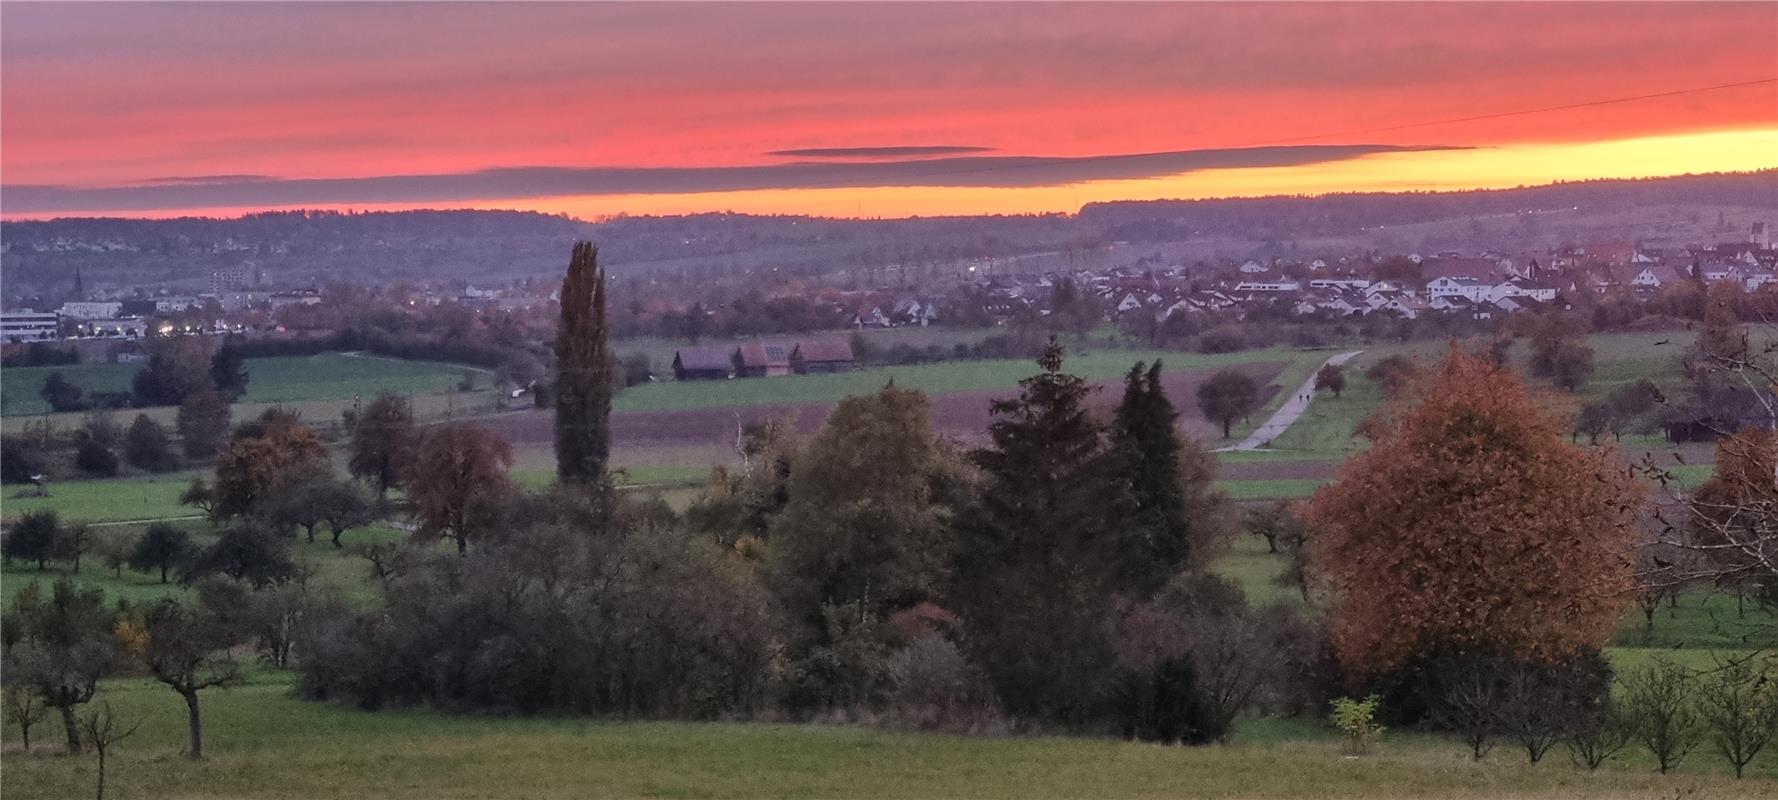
1071	161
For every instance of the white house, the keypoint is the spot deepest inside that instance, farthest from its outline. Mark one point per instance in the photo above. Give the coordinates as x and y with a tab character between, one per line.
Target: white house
90	309
1654	277
1470	289
1253	266
1278	285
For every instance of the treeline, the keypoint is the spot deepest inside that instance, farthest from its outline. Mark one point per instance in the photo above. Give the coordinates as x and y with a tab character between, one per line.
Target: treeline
411	347
1173	220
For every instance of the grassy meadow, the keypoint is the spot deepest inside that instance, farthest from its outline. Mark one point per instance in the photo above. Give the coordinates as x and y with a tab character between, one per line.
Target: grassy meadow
1324	432
264	742
281	379
1092	363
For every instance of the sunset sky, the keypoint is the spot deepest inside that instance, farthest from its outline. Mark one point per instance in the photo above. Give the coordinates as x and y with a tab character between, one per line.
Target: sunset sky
856	109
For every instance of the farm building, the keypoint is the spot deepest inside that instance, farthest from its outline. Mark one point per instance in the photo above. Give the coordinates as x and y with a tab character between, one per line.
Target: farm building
762	360
821	356
701	364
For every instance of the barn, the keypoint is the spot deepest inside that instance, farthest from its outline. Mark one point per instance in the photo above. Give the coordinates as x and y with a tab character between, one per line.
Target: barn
762	360
816	357
701	364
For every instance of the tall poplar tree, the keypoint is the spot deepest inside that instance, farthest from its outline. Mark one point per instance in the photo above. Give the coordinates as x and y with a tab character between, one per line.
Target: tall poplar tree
583	372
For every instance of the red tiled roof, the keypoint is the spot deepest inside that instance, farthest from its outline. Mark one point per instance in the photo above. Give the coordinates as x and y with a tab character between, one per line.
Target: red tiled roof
823	350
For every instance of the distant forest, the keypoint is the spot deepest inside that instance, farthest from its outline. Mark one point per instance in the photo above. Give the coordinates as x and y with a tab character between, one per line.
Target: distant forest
496	246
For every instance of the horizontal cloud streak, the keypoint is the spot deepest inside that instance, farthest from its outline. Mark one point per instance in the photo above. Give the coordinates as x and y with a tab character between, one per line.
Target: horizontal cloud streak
210	179
548	181
881	152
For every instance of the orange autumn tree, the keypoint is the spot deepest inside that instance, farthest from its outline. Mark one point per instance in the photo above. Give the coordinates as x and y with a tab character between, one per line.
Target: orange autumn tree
1473	523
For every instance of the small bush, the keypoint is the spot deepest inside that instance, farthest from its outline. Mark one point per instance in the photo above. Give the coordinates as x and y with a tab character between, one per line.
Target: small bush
1223	339
96	460
936	688
1357	720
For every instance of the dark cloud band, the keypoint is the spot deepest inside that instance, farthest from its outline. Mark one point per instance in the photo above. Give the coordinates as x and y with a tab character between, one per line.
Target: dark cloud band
506	183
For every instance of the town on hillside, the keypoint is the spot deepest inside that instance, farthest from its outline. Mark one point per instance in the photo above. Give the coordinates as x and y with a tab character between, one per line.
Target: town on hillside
1143	295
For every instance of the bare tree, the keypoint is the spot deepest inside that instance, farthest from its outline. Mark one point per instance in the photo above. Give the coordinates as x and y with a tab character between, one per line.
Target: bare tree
1534	712
102	728
25	708
1228	652
1598	734
1471	708
1739	705
1729	524
1661	709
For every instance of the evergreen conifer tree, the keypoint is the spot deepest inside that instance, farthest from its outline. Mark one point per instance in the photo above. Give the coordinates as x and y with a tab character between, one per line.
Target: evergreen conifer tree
1039	555
1148	447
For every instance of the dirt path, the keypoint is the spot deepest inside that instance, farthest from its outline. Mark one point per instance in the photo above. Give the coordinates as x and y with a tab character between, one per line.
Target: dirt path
1293	407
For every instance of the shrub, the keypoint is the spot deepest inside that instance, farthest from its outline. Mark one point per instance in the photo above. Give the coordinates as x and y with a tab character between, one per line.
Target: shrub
1421	690
1598	734
33	538
1357	720
639	619
21	459
146	446
1660	707
1163	704
95	460
1739	705
1223	339
936	688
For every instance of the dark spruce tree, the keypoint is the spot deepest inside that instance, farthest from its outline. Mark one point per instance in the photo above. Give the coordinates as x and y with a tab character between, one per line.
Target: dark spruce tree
583	372
1039	556
1147	445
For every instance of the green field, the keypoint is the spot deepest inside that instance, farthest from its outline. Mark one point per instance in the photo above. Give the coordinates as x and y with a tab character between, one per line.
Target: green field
958	376
263	742
114	499
1325	431
284	379
330	569
1269	488
660	351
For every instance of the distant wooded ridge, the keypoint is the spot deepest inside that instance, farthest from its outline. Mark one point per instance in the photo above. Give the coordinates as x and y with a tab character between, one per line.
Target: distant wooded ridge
482	245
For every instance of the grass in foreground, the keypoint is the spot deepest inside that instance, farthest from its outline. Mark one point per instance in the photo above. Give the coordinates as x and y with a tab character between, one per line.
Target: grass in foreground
264	743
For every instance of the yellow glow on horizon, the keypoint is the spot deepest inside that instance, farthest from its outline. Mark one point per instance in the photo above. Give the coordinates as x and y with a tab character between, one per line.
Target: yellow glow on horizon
1500	167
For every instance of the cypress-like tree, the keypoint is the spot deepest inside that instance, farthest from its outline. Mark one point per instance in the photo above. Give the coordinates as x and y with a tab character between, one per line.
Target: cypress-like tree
1148	448
583	372
1040	554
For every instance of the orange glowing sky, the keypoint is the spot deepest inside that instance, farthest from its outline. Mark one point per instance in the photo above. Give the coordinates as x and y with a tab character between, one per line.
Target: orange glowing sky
158	109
